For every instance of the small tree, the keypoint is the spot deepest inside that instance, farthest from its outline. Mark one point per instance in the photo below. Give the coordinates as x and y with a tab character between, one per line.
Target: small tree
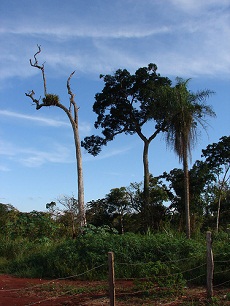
218	159
72	113
119	203
97	213
71	208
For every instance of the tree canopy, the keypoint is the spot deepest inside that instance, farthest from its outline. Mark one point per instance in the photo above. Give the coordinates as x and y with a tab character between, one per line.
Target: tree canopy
126	103
130	101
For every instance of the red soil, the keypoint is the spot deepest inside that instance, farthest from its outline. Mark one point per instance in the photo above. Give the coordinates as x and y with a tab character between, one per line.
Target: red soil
24	292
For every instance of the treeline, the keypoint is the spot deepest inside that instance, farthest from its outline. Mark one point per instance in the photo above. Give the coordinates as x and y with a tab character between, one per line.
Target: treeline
122	209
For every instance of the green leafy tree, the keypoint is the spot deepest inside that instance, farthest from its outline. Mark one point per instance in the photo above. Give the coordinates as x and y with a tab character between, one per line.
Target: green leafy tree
157	212
126	105
53	209
217	157
97	213
72	113
188	110
33	225
200	180
8	214
119	204
224	217
159	195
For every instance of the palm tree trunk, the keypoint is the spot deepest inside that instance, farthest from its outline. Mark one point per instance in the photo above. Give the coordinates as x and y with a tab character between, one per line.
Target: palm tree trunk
186	192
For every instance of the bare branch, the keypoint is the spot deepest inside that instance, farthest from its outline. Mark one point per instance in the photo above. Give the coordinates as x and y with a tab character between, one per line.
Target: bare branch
42	68
35	58
72	101
31	94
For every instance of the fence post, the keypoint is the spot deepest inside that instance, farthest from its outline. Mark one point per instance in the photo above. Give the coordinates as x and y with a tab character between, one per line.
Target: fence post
210	265
111	279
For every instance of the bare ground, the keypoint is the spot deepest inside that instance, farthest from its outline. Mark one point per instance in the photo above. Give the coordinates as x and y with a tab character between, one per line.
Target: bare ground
24	292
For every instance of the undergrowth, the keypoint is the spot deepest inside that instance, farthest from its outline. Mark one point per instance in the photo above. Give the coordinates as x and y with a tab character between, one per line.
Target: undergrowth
166	260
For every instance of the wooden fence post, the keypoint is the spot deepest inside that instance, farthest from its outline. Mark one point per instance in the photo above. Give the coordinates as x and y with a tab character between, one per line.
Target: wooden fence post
210	266
111	279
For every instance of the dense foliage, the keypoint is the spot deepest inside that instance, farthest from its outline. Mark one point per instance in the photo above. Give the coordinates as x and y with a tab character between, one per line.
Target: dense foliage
158	257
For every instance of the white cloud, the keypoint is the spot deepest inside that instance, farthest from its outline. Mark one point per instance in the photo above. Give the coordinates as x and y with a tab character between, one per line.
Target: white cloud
84	127
67	32
4	168
105	155
126	33
194	6
6	148
36	158
31	157
37	119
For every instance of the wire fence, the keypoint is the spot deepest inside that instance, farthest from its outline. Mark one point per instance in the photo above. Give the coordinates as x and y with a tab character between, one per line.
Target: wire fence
219	271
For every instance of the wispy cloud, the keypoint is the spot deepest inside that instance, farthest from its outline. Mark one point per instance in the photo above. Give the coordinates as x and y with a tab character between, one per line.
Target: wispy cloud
106	155
36	158
4	168
32	157
67	32
197	6
7	148
37	119
84	127
189	37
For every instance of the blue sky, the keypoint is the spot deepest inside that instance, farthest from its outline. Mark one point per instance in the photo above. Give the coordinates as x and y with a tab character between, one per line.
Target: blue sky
185	38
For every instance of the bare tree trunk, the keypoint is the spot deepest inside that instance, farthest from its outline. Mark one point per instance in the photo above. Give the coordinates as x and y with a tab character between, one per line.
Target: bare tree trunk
146	186
53	100
146	173
186	192
73	226
81	204
80	182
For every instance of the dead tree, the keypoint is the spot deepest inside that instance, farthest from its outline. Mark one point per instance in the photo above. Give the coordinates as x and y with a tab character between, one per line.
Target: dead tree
72	113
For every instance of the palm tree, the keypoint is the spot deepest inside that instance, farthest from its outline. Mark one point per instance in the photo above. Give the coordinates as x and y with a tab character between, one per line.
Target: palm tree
187	110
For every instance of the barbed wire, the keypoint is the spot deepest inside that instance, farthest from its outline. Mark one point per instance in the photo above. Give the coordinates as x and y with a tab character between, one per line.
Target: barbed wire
221	261
219	272
52	281
191	279
167	261
181	272
128	264
49	299
219	285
